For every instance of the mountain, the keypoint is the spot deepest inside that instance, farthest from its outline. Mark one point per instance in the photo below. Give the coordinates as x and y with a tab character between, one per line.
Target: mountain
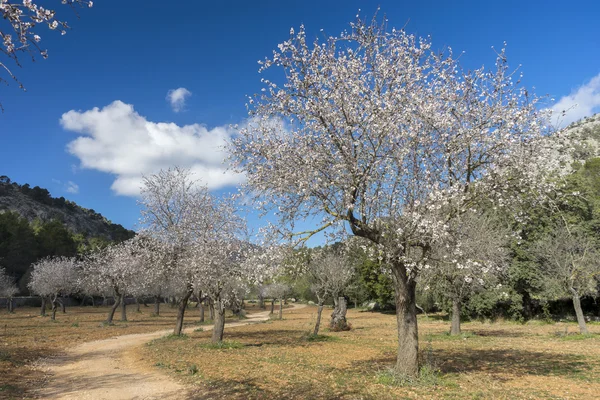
37	206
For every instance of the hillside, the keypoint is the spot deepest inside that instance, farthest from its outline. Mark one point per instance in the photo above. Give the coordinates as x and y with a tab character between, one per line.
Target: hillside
585	136
36	204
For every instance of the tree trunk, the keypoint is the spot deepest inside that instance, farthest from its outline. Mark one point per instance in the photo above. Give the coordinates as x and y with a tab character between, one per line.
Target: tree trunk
181	313
272	306
261	302
201	305
11	304
157	305
318	324
123	309
579	313
211	309
63	307
455	327
137	305
113	309
54	307
407	362
43	308
219	325
280	309
338	317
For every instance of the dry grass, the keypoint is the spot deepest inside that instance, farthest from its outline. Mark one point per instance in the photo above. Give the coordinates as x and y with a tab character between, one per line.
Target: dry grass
25	337
276	359
501	360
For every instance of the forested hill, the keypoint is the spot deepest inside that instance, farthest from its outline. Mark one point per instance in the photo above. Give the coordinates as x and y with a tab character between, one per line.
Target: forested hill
34	225
37	206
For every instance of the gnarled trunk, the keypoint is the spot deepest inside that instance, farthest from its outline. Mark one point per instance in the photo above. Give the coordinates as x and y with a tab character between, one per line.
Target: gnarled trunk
63	307
219	326
211	310
181	313
318	324
157	305
272	306
407	363
54	307
579	312
201	305
43	308
113	309
10	304
455	326
338	317
123	309
261	302
280	308
137	305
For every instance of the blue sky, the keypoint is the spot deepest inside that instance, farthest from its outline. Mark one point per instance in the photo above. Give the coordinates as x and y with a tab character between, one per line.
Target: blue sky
128	55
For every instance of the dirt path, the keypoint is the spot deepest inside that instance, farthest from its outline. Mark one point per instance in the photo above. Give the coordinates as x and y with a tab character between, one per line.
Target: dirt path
107	369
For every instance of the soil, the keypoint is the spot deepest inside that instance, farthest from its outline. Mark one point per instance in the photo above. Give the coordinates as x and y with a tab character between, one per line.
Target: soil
113	369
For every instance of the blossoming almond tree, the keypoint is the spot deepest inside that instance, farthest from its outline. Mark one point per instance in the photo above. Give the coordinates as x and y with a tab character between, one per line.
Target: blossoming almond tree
177	209
329	274
278	290
114	271
469	259
206	233
8	288
373	131
18	33
53	277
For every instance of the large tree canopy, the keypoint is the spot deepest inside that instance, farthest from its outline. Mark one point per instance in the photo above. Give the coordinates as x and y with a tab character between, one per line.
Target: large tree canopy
375	131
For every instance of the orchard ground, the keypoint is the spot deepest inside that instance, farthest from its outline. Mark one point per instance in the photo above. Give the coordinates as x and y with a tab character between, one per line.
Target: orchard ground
278	360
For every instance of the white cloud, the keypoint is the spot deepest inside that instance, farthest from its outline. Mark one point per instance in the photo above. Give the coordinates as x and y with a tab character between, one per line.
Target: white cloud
177	98
119	141
69	186
582	102
72	187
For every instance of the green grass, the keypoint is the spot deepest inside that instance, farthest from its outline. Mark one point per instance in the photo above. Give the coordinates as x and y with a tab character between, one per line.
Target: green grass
428	377
311	337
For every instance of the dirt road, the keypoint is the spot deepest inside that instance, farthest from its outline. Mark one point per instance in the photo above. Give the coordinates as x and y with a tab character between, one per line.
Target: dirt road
108	369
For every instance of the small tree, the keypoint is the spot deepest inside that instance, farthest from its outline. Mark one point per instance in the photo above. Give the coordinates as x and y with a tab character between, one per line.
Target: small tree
470	259
278	291
328	275
53	277
112	271
8	288
570	264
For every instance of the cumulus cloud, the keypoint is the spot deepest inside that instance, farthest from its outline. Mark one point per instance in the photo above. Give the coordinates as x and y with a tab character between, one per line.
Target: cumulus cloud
582	102
177	98
119	141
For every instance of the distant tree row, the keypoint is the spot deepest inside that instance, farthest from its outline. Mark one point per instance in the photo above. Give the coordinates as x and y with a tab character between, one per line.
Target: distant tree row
23	243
